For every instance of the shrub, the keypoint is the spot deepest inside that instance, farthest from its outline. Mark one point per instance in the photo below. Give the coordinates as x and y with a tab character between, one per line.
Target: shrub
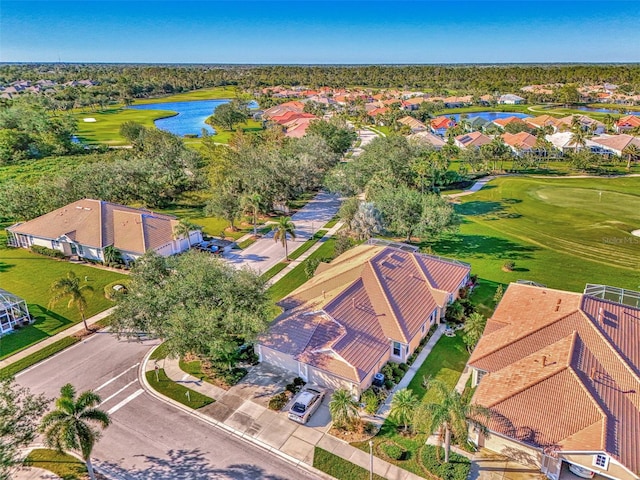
403	367
457	468
232	377
278	401
508	266
298	382
49	252
370	400
392	450
112	294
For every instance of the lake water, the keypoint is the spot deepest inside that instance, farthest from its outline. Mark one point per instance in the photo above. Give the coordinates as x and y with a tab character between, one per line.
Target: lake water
490	116
190	118
612	111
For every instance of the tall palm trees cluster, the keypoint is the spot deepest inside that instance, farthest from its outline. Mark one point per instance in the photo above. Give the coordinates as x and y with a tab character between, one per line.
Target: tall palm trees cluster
449	416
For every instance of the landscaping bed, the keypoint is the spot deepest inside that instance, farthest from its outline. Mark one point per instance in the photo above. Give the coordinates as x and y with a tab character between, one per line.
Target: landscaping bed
63	465
175	391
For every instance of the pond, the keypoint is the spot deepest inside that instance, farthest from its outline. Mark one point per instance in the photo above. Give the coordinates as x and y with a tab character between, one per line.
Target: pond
190	118
490	116
612	111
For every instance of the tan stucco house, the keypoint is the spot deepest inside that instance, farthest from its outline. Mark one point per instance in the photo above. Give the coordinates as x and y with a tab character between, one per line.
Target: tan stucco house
86	227
560	373
371	305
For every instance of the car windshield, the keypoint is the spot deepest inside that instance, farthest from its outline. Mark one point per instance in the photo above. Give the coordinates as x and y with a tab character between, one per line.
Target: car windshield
298	407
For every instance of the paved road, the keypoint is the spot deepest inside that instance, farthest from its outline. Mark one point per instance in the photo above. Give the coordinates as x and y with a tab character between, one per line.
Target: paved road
149	439
366	137
265	253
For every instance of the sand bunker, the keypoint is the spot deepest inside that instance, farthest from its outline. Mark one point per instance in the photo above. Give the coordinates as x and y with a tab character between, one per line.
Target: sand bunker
89	120
636	233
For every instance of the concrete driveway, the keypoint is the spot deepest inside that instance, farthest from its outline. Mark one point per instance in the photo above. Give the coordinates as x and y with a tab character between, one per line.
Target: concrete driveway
265	252
487	465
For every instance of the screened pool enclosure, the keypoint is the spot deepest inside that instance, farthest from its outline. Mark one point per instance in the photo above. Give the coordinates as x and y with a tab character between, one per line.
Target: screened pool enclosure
13	311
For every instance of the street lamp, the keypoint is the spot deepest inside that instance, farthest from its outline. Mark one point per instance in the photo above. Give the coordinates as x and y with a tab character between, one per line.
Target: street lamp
370	459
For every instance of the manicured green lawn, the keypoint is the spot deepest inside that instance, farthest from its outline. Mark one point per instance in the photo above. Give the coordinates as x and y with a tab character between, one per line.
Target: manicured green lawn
338	467
223	136
176	391
560	232
63	465
29	276
46	352
297	276
445	363
201	94
106	128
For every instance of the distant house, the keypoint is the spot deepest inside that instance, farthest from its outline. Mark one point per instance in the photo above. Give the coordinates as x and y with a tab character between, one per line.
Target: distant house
13	312
471	140
475	123
412	103
628	122
563	141
86	227
414	124
283	108
586	123
371	305
440	125
511	99
503	122
542	121
429	139
521	142
560	374
616	144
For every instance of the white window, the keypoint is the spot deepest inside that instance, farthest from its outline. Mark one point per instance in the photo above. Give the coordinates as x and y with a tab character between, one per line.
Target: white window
601	461
397	349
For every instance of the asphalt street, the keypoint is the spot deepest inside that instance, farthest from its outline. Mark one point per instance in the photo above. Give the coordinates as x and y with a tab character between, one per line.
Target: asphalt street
149	439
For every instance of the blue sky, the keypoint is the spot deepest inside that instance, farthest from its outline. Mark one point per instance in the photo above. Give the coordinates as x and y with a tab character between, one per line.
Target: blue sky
302	31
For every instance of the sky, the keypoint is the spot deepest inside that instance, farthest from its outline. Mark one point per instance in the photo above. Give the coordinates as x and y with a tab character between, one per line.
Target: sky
320	32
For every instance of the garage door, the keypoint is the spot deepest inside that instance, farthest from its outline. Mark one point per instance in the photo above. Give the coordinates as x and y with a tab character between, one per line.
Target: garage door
514	450
326	380
279	359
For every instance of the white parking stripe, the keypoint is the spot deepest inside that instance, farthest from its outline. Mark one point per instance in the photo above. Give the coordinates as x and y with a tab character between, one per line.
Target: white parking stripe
125	401
114	378
119	391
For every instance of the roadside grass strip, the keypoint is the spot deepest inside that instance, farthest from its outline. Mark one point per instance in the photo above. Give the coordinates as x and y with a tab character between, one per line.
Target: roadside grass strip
48	351
338	467
63	465
175	391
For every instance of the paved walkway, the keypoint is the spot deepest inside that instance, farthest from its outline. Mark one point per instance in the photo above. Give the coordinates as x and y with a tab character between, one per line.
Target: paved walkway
242	411
65	333
33	473
473	189
265	252
294	263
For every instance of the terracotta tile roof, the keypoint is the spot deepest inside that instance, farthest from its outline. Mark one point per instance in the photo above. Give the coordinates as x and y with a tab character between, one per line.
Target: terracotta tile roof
472	139
541	121
96	223
442	122
428	138
617	142
564	370
630	121
412	123
378	111
522	140
348	312
503	122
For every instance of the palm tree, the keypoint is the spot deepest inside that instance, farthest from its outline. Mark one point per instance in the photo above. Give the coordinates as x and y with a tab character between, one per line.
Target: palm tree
578	134
112	255
343	408
283	227
72	425
183	229
69	287
632	151
252	203
473	329
451	414
403	405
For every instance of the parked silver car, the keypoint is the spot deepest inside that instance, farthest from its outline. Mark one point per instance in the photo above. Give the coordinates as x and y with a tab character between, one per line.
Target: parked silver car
305	403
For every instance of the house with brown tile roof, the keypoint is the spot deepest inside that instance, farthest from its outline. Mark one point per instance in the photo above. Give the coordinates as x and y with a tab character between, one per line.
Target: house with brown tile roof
521	142
616	144
560	373
86	227
413	123
371	305
542	121
428	138
628	122
503	122
471	140
586	123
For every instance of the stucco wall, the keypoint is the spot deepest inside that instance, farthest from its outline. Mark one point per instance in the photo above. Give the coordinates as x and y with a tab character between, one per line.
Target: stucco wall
614	470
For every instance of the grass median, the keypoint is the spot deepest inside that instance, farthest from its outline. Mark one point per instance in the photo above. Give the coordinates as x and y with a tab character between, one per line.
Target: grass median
167	387
63	465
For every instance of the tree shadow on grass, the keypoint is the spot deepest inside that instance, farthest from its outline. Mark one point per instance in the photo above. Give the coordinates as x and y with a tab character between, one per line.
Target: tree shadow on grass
482	246
186	464
478	207
5	266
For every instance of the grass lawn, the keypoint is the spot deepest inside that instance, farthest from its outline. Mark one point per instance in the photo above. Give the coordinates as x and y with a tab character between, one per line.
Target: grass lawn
176	391
201	94
29	276
563	233
445	363
46	352
223	135
338	467
63	465
106	128
297	276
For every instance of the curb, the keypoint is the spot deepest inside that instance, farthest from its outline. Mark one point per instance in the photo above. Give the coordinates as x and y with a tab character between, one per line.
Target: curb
238	434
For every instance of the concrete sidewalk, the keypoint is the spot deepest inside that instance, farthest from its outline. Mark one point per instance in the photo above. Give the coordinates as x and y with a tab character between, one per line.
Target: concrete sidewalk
78	327
264	253
294	263
254	422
